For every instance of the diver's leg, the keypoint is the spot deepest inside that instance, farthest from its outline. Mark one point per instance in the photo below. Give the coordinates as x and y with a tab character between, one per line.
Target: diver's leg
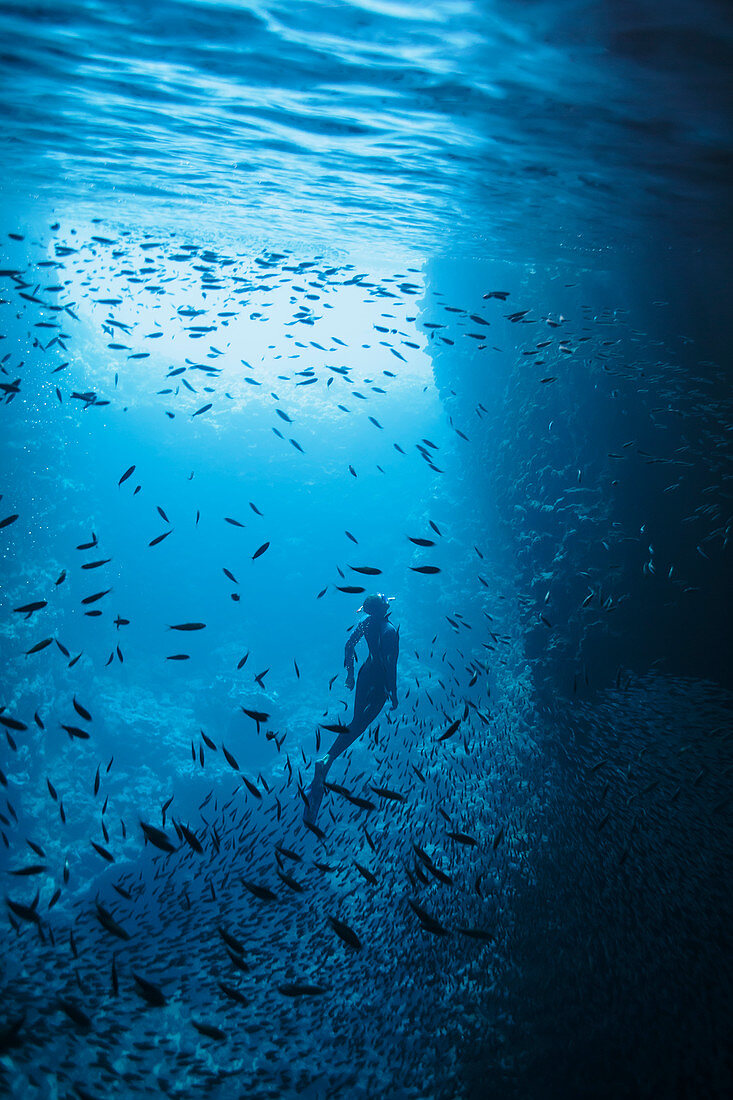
370	697
367	715
369	700
314	796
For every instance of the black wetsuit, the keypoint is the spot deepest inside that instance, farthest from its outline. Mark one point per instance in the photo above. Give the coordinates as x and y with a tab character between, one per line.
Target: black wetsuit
377	679
378	675
376	682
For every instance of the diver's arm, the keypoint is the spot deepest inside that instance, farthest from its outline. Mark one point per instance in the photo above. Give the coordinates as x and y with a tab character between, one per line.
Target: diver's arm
356	634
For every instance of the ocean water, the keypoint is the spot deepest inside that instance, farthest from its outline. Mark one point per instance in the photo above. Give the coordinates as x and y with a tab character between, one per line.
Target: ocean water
300	302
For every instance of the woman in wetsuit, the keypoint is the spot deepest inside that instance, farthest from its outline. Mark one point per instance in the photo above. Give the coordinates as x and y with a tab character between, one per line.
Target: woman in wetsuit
376	682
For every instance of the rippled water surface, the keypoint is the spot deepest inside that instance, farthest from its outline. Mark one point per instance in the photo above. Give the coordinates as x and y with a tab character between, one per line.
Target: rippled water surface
385	120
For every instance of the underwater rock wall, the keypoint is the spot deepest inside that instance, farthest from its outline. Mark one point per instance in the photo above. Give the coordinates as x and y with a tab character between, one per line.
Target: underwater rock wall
602	452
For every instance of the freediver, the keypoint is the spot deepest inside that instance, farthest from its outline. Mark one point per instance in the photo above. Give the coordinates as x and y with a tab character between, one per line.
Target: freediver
376	682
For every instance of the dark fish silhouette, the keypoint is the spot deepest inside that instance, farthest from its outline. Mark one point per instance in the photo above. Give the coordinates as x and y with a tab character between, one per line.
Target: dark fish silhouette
209	1030
157	837
429	923
230	940
477	934
109	923
345	933
366	873
159	538
262	893
103	852
392	796
302	989
75	1014
232	993
257	715
354	799
150	992
451	730
25	913
191	839
229	758
12	723
80	710
76	731
463	838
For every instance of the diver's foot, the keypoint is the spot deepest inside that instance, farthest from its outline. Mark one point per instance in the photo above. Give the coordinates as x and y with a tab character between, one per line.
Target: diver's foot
315	794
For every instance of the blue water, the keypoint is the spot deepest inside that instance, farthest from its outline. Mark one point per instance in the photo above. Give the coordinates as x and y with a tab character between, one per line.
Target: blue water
353	275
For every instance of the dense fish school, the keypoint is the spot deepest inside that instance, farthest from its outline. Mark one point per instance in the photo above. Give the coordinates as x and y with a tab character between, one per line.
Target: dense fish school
182	926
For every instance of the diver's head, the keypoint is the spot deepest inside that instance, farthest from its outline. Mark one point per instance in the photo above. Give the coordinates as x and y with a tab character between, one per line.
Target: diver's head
377	605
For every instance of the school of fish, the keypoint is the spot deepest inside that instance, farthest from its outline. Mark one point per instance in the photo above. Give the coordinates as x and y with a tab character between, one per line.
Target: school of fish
532	830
